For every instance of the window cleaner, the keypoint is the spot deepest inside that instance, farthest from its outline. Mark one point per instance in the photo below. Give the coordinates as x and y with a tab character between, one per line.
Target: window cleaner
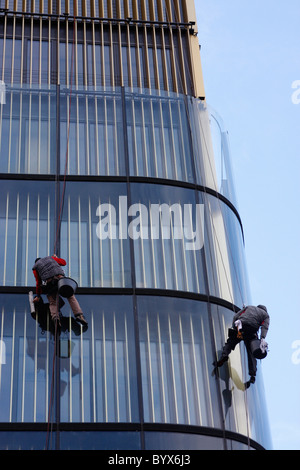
245	326
48	272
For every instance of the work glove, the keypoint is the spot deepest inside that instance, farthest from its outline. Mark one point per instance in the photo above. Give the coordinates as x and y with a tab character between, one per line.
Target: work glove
263	345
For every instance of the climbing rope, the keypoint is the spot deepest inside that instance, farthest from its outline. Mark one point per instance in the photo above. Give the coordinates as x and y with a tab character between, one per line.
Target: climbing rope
57	236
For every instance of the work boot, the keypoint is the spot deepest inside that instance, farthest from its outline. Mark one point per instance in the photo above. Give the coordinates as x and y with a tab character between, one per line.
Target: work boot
221	361
251	381
81	319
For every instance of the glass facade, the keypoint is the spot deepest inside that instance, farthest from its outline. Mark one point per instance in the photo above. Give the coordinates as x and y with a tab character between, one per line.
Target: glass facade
109	159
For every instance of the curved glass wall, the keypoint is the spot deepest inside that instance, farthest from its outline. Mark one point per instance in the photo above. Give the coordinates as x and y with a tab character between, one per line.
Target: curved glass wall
182	239
168	135
99	367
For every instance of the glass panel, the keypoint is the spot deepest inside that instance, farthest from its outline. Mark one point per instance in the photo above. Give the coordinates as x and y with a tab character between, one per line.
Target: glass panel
94	144
25	373
167	231
26	220
176	358
28	131
98	372
224	249
100	440
96	255
158	138
175	441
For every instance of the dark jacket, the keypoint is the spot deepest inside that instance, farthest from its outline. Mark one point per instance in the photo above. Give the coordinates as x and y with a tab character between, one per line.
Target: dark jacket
254	317
46	268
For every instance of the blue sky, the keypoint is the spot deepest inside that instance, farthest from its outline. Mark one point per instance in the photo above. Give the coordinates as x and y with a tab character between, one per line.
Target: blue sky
250	57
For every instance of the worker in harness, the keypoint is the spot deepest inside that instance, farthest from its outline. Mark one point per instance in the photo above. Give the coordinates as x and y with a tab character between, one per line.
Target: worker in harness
245	326
47	272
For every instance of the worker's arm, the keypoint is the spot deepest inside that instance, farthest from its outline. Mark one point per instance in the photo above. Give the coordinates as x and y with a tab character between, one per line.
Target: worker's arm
60	261
38	283
265	327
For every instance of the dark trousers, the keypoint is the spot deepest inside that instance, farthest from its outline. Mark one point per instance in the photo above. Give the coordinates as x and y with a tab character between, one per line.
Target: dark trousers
233	340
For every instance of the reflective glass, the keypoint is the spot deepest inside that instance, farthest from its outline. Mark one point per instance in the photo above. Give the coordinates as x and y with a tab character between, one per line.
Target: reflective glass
224	252
179	441
98	365
26	228
92	140
176	361
28	131
96	255
158	137
100	440
26	365
165	226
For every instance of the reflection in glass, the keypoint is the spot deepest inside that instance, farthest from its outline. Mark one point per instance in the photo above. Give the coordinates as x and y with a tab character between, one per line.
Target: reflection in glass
26	228
162	259
98	376
225	256
25	377
94	143
94	261
158	139
28	131
97	366
176	360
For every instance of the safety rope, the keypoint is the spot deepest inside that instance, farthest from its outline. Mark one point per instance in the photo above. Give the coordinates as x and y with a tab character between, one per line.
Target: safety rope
57	236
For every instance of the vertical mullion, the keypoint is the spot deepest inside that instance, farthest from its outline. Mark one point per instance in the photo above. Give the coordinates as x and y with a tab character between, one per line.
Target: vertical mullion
162	382
81	377
90	244
152	248
151	401
173	369
23	374
128	401
17	237
185	387
5	239
12	366
35	370
194	363
111	253
27	242
117	402
70	377
97	156
163	147
163	252
2	351
115	128
79	241
10	131
87	147
104	370
94	396
100	256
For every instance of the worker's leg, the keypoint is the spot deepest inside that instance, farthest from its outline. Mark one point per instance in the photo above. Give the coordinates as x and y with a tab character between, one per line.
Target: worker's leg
252	362
53	305
229	346
76	309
